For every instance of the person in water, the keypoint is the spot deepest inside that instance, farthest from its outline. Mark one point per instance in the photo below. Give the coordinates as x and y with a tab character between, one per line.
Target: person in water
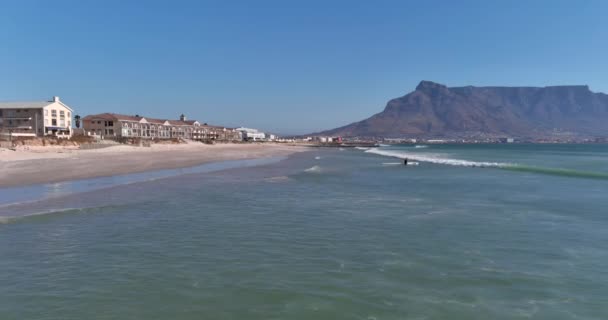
405	162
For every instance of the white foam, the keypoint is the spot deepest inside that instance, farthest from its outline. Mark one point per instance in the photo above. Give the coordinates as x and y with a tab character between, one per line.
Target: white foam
433	158
420	146
361	148
313	169
384	145
317	158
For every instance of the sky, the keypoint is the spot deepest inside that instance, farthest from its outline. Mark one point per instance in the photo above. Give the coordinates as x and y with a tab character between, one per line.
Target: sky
288	67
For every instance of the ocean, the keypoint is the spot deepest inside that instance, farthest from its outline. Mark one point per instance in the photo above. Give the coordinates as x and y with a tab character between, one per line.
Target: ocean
473	232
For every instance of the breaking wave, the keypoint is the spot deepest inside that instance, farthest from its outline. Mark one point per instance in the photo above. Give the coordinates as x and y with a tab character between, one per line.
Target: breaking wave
436	159
420	146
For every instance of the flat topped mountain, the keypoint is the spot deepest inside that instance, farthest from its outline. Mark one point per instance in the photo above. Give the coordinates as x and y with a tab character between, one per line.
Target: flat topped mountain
435	110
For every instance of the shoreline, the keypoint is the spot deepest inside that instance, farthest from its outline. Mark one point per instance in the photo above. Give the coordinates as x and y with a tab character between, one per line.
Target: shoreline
39	199
40	165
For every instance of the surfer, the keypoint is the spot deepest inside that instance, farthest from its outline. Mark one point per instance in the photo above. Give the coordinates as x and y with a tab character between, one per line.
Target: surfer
405	162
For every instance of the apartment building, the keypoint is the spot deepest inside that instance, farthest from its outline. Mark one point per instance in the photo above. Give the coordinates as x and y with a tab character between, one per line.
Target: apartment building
37	118
112	126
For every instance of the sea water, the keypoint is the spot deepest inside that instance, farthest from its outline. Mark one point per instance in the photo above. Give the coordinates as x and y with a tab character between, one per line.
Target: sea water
473	232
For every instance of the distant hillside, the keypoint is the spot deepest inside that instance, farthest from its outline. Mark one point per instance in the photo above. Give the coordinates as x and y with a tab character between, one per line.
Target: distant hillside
434	110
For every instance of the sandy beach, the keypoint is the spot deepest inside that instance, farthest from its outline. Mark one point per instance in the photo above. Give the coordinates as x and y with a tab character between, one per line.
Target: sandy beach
53	164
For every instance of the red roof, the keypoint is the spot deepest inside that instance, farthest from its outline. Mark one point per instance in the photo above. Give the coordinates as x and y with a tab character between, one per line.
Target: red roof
112	116
123	117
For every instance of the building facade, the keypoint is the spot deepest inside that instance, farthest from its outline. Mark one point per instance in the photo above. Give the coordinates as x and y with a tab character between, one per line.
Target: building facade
39	118
252	134
113	126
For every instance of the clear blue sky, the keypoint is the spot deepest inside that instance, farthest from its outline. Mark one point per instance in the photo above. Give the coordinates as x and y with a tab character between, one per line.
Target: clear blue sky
288	66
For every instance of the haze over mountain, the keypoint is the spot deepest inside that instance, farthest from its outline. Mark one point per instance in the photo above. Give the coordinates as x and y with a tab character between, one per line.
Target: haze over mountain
435	110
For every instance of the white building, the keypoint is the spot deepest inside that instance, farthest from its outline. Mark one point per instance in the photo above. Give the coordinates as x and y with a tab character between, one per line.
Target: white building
251	134
37	118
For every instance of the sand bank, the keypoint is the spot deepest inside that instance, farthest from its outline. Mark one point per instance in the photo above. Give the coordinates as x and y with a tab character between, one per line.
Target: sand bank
53	164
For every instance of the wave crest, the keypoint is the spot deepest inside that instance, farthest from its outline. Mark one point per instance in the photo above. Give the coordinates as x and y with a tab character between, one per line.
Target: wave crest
436	159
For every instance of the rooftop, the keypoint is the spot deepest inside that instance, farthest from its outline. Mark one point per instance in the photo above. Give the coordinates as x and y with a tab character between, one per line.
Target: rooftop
137	118
24	104
29	104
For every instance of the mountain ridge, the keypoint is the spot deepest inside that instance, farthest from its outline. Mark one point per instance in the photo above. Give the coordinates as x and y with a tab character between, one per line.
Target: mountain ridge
436	110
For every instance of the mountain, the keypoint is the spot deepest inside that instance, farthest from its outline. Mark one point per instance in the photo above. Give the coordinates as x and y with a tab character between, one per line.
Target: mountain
435	110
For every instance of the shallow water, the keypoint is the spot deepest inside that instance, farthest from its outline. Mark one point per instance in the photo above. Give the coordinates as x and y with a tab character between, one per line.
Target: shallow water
50	190
326	234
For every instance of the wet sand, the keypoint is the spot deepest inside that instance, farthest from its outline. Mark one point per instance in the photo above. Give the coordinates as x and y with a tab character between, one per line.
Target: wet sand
51	164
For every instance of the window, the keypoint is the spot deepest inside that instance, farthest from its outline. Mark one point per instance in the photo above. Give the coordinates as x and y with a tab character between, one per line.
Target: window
62	123
111	123
54	113
98	122
62	114
69	115
54	122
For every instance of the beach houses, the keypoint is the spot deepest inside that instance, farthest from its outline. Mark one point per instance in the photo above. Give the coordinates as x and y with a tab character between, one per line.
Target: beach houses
36	119
113	126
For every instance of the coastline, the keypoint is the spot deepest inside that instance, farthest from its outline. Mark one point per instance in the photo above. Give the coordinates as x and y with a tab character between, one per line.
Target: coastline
39	165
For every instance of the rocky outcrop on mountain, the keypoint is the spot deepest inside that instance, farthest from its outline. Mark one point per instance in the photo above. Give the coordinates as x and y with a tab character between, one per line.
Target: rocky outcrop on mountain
435	110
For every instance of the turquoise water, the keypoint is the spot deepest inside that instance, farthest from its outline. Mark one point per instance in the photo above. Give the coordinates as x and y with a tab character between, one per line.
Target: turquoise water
326	234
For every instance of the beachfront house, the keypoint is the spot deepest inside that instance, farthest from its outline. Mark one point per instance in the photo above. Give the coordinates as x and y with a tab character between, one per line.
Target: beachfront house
36	119
250	134
114	126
